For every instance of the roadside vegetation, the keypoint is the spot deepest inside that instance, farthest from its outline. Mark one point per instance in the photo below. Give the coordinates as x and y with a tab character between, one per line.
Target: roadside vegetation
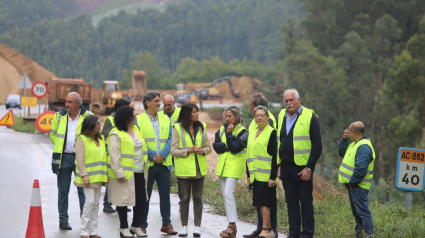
21	127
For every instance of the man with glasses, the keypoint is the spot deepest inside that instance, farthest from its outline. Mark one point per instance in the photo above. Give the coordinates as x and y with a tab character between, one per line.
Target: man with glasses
66	127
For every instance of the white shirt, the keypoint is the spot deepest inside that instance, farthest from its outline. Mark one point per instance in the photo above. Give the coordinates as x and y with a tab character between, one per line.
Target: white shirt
70	135
138	158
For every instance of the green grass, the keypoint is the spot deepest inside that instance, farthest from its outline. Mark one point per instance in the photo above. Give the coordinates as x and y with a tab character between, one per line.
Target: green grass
21	127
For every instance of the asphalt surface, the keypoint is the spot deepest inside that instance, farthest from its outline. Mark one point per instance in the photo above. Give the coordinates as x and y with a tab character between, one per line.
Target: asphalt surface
25	157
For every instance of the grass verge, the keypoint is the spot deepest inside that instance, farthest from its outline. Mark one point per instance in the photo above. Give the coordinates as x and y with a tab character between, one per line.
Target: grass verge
21	127
333	217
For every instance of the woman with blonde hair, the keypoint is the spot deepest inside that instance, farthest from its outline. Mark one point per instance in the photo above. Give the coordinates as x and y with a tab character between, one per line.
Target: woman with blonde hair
231	162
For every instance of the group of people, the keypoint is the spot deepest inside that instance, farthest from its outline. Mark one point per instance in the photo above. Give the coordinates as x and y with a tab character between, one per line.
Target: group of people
132	151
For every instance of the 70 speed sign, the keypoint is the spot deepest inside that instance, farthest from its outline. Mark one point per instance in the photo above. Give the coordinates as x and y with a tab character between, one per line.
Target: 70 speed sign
410	169
39	89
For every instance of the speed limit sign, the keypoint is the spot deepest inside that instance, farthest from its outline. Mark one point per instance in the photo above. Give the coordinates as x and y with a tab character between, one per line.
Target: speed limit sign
39	89
410	169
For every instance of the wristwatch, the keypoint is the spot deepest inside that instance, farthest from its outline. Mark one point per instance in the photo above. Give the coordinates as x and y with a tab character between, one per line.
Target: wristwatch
308	169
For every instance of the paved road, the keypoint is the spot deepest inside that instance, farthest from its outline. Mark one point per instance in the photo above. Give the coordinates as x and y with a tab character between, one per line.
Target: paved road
26	157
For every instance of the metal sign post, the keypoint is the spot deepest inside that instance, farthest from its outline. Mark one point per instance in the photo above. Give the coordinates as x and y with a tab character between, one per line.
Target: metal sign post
410	172
23	83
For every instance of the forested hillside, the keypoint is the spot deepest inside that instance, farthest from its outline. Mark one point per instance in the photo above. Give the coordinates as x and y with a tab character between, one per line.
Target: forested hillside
234	29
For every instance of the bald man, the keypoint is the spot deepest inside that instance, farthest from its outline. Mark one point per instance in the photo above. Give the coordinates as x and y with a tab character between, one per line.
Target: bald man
169	108
66	127
356	172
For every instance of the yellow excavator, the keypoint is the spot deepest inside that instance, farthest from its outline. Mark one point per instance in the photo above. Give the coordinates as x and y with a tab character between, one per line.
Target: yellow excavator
110	94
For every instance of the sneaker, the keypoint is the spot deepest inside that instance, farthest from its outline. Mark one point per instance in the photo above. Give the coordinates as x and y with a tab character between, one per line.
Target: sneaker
197	231
183	232
108	209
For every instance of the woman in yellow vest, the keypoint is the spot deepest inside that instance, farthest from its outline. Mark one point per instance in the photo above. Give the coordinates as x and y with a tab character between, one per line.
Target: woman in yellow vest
231	162
127	170
262	167
189	146
91	172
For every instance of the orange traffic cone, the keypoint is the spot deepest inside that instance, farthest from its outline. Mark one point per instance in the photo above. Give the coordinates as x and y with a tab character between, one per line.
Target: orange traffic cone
35	222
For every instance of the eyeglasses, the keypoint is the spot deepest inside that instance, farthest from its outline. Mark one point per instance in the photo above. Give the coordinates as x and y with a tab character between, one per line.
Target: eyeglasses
260	115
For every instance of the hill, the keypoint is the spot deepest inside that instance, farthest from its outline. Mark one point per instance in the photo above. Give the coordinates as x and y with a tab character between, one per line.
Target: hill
12	66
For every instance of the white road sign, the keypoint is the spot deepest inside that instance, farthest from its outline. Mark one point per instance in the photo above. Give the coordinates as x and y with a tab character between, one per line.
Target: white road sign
410	169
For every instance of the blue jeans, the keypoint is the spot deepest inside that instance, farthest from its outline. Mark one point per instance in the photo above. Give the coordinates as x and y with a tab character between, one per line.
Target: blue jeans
64	183
359	201
273	218
162	176
106	203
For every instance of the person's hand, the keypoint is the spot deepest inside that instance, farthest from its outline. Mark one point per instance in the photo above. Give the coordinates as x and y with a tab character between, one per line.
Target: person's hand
272	183
55	168
158	159
199	151
123	179
305	174
193	149
86	179
346	134
278	172
230	127
352	187
248	182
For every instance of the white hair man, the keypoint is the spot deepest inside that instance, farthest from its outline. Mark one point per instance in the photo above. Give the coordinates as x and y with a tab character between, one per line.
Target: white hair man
66	127
300	146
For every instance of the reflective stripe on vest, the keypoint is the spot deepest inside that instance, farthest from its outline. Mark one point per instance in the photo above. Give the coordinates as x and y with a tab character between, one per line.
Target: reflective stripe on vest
95	161
149	135
58	131
346	170
231	165
186	166
301	133
127	152
258	159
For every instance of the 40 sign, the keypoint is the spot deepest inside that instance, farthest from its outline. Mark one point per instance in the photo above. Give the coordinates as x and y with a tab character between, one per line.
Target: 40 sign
410	169
44	121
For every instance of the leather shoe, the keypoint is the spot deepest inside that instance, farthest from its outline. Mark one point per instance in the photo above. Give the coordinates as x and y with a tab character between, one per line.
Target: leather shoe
275	234
108	209
65	226
128	209
253	234
169	230
143	229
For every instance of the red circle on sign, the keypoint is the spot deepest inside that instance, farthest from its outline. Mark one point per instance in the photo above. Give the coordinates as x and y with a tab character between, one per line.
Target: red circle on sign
40	127
35	84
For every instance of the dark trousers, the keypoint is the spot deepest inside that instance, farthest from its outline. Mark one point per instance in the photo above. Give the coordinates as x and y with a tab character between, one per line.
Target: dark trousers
64	183
298	192
162	175
359	201
196	187
105	198
273	218
139	184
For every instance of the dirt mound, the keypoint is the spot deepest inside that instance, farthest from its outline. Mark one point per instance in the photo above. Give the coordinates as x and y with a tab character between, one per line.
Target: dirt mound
246	86
12	66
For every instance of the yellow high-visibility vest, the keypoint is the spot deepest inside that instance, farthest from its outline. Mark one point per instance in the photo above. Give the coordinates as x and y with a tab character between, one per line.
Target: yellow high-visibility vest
95	161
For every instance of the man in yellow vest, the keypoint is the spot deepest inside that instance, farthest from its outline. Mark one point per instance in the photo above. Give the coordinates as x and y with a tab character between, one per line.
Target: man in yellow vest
356	172
108	125
66	127
259	100
300	146
170	110
173	114
156	130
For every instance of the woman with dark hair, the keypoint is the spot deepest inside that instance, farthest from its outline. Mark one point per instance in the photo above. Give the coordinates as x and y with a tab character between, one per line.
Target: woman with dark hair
262	167
91	172
231	162
127	170
189	146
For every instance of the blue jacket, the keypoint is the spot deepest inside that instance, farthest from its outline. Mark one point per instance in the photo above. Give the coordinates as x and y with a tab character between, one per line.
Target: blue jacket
363	158
234	144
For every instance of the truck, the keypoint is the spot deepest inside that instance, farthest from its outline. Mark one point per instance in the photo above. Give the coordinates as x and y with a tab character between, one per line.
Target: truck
60	87
110	94
139	85
210	92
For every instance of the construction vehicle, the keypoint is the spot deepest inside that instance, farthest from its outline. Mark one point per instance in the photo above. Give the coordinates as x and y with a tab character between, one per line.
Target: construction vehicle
211	93
59	88
110	94
183	96
139	85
